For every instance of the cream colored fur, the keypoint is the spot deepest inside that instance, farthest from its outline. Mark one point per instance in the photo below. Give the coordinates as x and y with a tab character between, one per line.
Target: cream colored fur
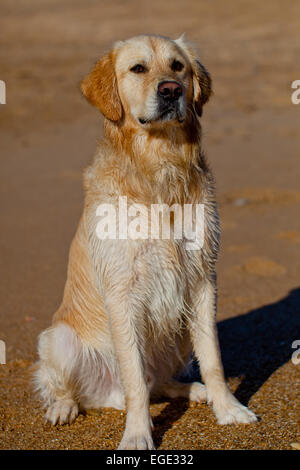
134	310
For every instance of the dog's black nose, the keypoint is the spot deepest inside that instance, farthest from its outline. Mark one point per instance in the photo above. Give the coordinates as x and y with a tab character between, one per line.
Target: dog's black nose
170	91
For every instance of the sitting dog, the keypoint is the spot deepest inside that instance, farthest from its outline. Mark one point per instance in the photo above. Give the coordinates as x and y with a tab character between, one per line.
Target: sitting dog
136	308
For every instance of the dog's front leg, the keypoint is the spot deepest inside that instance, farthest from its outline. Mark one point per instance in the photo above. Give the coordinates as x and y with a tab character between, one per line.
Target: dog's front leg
206	347
128	342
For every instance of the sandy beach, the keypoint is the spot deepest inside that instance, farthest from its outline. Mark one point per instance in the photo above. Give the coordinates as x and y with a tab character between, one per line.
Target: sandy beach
251	136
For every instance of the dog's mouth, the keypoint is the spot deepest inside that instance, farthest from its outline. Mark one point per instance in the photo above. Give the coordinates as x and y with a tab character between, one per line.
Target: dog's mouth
169	114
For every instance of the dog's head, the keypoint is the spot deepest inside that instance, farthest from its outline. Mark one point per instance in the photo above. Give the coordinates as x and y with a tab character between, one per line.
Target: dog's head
150	79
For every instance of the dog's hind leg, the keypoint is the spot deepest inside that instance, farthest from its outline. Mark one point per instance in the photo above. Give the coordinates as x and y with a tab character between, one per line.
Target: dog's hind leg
194	391
62	411
59	351
168	386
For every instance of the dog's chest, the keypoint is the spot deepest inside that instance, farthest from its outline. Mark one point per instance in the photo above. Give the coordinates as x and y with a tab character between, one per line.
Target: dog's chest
169	275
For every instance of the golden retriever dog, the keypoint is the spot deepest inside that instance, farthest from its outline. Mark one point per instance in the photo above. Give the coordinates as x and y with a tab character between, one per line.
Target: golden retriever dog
136	308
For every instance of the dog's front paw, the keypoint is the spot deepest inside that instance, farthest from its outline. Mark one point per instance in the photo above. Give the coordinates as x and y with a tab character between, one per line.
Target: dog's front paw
62	412
234	412
136	442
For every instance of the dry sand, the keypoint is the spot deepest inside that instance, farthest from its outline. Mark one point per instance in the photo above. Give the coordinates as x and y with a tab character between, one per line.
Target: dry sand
48	134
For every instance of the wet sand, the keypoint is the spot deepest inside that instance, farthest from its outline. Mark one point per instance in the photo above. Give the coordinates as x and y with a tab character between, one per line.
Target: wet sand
48	134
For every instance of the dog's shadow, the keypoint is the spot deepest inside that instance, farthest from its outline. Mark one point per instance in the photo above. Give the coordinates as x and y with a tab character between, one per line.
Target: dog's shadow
253	346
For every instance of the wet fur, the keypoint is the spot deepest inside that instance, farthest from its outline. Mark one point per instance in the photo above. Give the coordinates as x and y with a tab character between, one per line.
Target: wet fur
133	311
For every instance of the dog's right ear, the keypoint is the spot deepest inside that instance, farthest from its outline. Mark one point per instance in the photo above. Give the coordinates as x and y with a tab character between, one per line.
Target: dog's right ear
100	89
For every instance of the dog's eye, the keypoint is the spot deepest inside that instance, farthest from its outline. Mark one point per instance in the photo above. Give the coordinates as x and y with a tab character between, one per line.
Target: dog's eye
177	66
138	68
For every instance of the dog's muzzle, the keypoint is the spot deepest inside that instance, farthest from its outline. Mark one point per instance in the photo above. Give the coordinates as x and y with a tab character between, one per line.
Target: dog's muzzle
169	105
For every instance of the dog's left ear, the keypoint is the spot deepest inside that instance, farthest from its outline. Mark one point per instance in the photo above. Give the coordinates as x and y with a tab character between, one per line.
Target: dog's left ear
202	86
100	88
